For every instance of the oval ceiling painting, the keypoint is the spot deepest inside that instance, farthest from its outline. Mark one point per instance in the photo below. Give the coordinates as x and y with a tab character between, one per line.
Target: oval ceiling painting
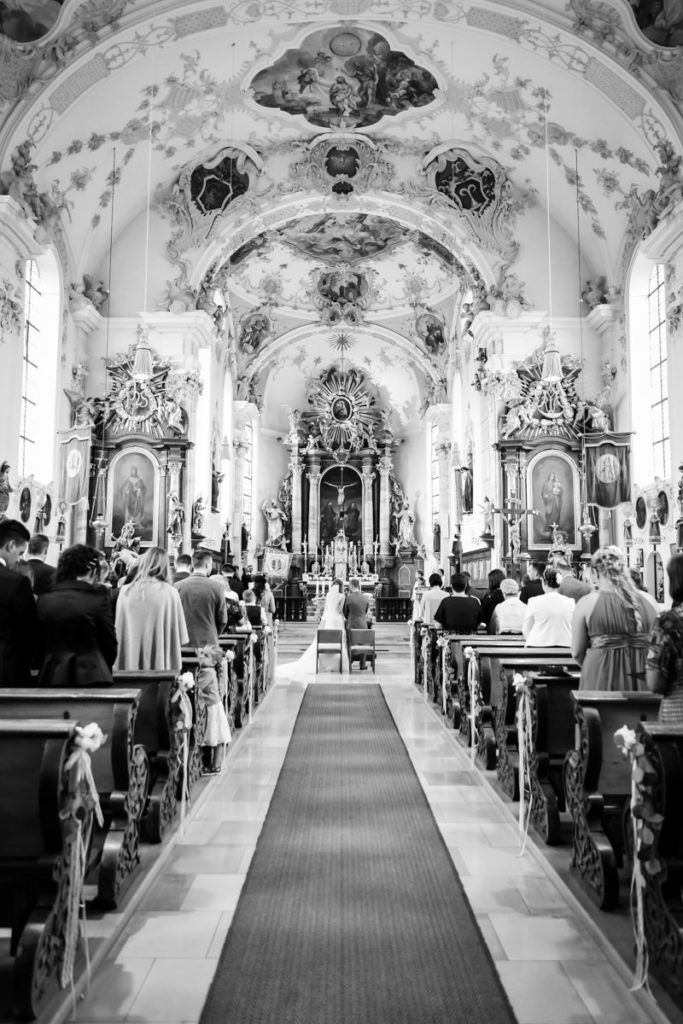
28	20
344	78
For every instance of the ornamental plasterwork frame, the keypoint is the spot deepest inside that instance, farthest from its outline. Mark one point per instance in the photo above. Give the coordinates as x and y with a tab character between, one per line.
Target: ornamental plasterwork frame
311	169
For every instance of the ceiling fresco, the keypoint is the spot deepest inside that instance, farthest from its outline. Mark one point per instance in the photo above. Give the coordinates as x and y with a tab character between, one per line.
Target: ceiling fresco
411	270
661	23
344	77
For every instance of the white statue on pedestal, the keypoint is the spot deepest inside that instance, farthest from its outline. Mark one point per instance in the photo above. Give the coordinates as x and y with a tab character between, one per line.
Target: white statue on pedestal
275	519
406	527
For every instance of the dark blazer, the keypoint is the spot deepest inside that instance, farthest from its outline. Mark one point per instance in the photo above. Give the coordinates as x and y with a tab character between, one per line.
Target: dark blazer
534	588
203	601
77	634
488	603
356	609
235	585
18	628
44	575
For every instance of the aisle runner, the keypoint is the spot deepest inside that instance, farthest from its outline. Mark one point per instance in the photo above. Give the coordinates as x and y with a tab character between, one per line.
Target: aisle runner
352	912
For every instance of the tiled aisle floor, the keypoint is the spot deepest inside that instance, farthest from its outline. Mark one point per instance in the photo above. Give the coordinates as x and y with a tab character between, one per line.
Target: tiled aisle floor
550	959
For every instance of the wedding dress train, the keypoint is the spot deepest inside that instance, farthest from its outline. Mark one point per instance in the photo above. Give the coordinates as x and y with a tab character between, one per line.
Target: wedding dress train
332	618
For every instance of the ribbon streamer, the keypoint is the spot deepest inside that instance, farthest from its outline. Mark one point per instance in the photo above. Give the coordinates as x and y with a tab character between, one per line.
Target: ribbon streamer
183	725
524	740
473	683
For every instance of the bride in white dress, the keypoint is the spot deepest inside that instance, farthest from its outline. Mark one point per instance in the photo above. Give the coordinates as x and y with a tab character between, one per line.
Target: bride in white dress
332	618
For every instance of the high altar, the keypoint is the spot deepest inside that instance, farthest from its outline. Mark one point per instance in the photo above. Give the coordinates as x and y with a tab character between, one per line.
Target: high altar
340	495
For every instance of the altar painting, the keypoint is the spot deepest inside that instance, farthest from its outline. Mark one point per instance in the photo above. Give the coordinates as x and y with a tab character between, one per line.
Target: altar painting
552	491
132	492
341	505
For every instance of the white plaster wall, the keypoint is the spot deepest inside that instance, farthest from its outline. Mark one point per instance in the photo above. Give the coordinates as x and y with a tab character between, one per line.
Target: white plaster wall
412	469
272	466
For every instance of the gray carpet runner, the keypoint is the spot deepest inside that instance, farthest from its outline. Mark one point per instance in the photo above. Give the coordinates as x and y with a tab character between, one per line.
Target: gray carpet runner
352	911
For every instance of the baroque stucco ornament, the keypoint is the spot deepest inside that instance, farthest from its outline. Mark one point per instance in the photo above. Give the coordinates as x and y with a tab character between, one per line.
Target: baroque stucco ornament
478	189
340	164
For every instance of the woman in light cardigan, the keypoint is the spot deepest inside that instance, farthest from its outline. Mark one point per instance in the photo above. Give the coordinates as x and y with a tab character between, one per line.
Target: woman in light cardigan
150	623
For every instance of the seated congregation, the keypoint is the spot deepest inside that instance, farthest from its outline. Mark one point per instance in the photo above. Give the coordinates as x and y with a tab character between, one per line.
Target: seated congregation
573	700
116	696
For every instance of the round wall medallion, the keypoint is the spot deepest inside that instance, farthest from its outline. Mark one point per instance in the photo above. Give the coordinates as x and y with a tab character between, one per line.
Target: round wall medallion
663	507
341	409
25	504
641	513
345	44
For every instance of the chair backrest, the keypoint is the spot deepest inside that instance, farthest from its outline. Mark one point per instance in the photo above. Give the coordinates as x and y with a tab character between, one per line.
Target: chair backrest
329	636
366	637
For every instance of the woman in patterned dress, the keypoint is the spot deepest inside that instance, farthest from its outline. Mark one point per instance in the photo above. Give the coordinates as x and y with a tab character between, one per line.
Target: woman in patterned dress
664	671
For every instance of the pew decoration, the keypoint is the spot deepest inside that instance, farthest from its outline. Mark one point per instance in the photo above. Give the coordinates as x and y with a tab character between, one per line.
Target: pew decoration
183	725
474	696
525	745
86	741
253	640
424	647
447	673
646	824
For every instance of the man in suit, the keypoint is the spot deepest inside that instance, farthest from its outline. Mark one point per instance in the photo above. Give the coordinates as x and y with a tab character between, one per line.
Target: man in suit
356	611
203	601
182	568
44	575
534	588
230	580
18	623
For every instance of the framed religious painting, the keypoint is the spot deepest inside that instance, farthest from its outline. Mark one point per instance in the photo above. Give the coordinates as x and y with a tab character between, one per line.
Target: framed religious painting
133	495
553	495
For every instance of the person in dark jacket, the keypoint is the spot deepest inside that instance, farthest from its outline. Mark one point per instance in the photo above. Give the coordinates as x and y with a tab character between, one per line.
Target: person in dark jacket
18	628
534	588
76	624
44	575
493	596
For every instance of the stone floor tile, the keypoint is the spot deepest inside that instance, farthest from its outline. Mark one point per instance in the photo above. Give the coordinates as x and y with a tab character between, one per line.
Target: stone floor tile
214	892
173	990
540	994
605	994
497	862
113	990
537	937
168	935
211	859
493	895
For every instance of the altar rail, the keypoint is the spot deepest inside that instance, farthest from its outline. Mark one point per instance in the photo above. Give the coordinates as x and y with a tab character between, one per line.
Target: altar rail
393	609
290	609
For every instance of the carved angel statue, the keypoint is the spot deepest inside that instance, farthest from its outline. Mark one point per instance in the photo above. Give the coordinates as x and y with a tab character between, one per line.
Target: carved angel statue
487	511
176	516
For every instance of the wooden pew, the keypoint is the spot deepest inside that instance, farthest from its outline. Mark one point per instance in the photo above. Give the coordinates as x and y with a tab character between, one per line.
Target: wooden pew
548	718
40	801
597	785
663	866
240	672
120	769
457	671
154	731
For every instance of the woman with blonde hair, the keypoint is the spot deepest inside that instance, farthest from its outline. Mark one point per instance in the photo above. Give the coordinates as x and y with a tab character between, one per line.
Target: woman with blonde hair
611	627
150	623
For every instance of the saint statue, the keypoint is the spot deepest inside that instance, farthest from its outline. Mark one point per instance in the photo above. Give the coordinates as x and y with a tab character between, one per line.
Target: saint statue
406	526
198	514
276	519
176	516
5	487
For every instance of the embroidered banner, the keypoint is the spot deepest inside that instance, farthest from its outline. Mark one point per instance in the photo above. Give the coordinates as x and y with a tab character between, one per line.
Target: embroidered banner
608	473
74	450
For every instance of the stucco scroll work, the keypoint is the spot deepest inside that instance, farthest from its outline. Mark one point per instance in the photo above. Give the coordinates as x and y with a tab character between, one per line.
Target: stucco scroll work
340	164
154	404
479	190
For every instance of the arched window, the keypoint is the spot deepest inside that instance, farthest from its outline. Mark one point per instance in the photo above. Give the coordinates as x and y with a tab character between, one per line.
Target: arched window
39	369
649	372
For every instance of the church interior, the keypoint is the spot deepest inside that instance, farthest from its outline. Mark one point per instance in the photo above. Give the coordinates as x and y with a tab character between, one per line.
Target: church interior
347	290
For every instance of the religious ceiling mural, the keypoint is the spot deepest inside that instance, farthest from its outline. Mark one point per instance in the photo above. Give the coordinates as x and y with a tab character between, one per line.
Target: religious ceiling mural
344	77
661	23
25	21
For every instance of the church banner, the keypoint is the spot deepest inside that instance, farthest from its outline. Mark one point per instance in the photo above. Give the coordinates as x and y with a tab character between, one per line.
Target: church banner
608	471
74	450
276	563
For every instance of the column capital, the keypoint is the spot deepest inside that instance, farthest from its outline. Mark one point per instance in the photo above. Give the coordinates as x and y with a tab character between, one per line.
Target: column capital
385	466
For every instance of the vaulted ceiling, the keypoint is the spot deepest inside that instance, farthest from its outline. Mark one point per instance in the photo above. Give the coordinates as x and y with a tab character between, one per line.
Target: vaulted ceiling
120	99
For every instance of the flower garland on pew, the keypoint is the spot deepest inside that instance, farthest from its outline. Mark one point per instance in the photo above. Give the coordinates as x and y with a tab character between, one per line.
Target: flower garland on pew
646	824
183	726
87	739
424	646
473	685
442	641
253	640
224	680
525	747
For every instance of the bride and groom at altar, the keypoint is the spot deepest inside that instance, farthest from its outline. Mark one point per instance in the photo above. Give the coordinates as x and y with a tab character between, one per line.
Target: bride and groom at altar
341	611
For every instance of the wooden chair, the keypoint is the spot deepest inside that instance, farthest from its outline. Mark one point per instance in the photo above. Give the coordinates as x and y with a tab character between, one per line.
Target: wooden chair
362	645
329	641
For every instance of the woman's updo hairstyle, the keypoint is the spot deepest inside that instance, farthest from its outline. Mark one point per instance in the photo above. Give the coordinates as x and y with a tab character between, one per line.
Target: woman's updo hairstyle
551	577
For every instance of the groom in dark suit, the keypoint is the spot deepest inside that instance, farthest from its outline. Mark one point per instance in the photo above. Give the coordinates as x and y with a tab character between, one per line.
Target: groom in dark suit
356	612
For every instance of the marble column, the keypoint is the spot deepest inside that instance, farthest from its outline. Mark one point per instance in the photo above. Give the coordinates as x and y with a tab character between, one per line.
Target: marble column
313	505
385	468
295	465
368	477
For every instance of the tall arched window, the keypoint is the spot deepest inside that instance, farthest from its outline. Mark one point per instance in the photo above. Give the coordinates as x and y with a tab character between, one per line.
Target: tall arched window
659	382
39	369
649	372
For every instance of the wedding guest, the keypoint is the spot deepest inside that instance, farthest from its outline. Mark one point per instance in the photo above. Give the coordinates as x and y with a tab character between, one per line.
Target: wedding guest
76	625
534	586
493	596
664	665
149	618
611	627
203	601
182	569
508	616
44	575
548	619
431	599
458	613
18	624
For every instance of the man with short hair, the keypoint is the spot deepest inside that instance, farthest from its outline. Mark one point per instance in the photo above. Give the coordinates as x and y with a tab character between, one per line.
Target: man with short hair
569	585
44	576
431	599
18	621
458	613
203	601
356	610
534	588
183	568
